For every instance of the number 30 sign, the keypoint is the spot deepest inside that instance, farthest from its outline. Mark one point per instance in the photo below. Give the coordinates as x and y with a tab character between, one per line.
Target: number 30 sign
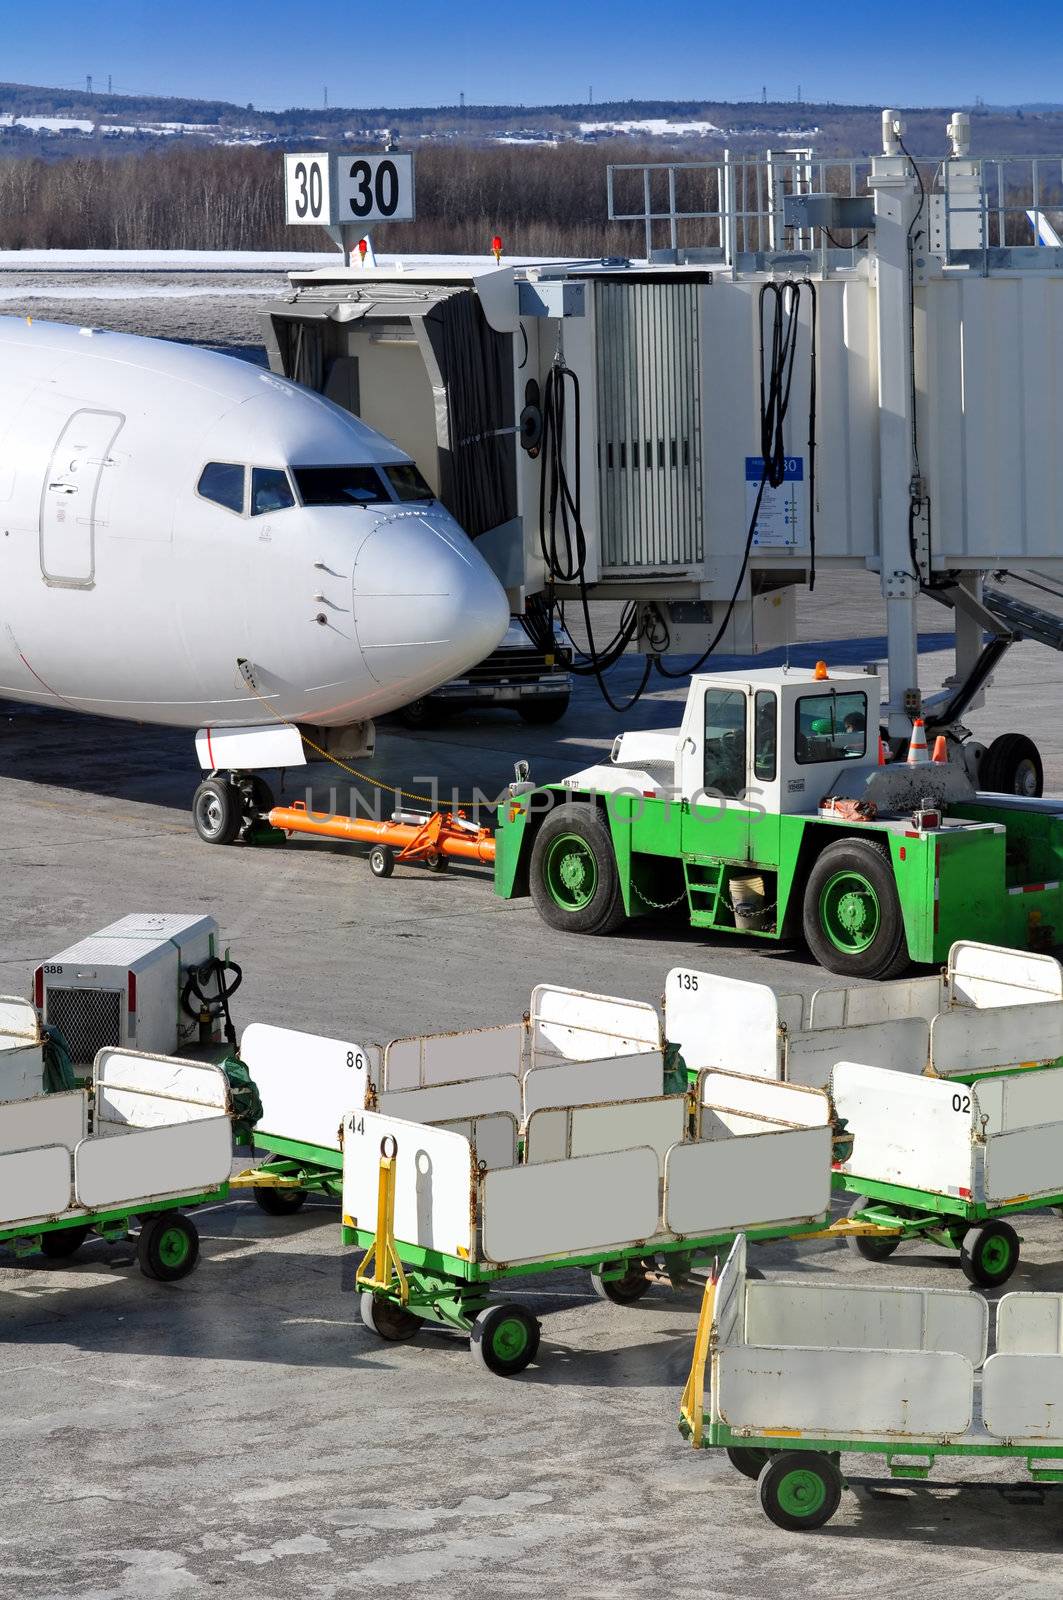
325	190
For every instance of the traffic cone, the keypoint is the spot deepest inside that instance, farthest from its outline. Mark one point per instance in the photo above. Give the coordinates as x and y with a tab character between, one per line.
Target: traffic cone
918	754
941	749
883	757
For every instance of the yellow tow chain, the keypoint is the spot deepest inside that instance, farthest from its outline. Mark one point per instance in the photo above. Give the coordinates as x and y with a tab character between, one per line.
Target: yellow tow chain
363	777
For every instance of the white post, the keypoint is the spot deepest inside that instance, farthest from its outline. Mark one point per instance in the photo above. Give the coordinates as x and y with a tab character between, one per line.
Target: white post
894	187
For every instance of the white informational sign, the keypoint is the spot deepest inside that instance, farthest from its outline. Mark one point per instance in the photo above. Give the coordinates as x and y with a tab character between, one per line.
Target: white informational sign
374	189
327	191
308	191
779	520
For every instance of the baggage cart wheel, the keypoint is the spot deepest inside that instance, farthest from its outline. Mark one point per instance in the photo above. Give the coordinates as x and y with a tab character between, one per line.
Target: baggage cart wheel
800	1489
381	861
168	1247
865	1244
63	1242
216	811
573	877
990	1254
748	1461
388	1320
505	1338
278	1202
621	1291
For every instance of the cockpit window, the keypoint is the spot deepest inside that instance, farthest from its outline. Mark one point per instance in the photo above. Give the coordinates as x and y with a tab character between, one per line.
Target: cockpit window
270	490
223	482
407	482
341	486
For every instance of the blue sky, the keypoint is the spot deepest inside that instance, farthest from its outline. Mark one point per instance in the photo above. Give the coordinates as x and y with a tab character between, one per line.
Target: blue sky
275	54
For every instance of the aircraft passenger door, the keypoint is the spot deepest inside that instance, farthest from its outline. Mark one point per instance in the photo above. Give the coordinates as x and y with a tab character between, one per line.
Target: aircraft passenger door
68	500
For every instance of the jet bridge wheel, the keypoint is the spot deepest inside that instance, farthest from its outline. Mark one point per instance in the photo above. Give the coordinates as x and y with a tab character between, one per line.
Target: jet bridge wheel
573	877
1012	765
216	811
852	916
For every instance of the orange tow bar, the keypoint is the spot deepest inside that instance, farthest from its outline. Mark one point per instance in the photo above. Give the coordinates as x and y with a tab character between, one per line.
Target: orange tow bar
441	836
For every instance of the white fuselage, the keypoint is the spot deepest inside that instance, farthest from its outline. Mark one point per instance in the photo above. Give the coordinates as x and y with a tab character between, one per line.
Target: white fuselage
126	593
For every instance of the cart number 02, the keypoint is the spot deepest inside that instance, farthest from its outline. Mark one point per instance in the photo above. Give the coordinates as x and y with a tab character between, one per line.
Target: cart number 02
961	1102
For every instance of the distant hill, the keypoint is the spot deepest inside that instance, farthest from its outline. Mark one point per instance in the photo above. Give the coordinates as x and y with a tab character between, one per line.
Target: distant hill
60	122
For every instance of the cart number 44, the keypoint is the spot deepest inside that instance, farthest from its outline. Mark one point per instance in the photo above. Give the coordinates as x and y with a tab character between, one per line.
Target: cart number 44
961	1102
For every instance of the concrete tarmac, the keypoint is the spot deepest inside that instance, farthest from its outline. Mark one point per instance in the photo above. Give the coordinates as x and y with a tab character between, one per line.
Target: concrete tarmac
241	1431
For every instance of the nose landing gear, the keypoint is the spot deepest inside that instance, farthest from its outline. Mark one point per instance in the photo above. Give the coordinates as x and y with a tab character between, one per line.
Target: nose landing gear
229	806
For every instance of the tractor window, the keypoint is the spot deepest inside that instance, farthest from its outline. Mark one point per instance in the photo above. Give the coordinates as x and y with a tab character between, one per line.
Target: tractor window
831	727
270	491
725	741
764	739
223	482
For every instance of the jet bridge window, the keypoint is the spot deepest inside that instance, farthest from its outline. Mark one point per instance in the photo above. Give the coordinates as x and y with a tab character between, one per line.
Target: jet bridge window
725	741
341	486
831	727
270	490
223	482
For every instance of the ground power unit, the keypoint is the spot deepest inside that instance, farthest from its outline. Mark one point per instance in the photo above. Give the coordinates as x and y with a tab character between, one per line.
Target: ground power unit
122	987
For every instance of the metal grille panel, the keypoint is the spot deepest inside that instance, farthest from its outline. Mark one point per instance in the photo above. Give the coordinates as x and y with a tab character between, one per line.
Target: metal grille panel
88	1019
649	425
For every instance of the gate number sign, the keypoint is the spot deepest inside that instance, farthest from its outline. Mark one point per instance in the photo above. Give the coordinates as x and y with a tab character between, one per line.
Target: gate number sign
325	190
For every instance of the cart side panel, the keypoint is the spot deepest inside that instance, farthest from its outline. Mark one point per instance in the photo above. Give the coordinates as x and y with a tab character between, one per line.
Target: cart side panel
1024	1164
570	1207
985	975
554	1135
724	1185
912	1131
46	1119
122	1167
417	1063
1022	1397
835	1316
446	1102
878	1002
733	1099
494	1137
435	1181
979	1039
18	1022
148	1091
307	1083
900	1045
904	1394
1030	1324
34	1184
1026	1100
577	1083
723	1022
570	1025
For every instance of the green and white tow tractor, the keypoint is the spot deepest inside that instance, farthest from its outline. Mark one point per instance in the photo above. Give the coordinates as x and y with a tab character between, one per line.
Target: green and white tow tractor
768	812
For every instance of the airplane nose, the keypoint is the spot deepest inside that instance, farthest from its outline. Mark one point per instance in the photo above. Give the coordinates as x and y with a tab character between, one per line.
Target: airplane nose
426	604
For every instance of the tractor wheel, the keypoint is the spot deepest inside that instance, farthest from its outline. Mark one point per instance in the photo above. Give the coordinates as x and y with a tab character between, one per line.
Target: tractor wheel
574	880
541	713
852	912
1012	765
216	811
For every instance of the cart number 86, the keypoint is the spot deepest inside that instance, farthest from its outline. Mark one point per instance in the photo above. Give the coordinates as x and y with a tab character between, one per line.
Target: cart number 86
961	1102
356	1060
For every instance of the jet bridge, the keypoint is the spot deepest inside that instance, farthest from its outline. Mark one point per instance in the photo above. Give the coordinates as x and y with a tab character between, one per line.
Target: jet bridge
819	364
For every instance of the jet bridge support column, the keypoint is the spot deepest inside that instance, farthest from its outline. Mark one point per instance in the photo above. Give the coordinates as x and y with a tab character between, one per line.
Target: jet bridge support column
894	185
